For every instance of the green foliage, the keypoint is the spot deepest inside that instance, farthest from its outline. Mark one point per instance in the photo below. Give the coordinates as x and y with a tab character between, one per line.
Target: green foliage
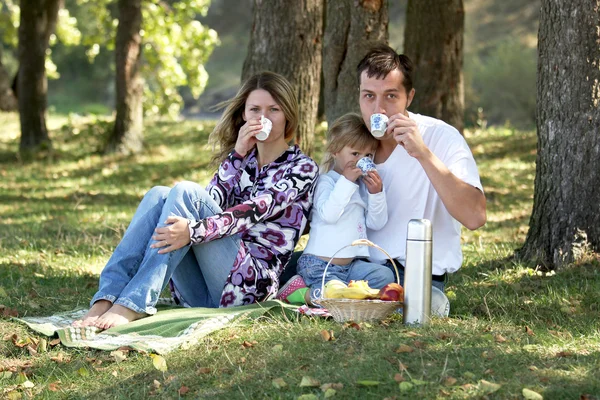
503	84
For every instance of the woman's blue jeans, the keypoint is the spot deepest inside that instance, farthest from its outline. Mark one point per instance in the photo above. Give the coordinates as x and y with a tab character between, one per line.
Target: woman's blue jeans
136	274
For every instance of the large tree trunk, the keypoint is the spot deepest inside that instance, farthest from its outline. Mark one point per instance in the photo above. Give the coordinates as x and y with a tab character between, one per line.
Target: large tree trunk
286	38
565	222
433	39
37	22
8	102
352	28
128	133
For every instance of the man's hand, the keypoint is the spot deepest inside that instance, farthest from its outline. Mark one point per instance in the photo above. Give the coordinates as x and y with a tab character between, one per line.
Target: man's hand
173	236
406	133
373	182
351	171
246	139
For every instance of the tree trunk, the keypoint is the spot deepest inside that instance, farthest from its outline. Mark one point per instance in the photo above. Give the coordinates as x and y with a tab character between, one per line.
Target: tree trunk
433	39
128	133
286	38
565	223
352	28
8	102
37	22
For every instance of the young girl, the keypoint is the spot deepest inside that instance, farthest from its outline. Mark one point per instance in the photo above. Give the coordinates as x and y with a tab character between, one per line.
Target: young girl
346	204
226	245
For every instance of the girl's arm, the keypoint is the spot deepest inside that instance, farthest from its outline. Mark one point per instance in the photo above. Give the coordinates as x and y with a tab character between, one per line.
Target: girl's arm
377	215
296	183
331	198
226	179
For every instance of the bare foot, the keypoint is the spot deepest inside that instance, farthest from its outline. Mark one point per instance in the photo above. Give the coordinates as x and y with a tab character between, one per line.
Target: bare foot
89	319
117	315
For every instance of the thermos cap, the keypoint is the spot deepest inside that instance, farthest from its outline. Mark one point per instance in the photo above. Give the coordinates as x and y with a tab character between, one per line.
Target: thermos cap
419	229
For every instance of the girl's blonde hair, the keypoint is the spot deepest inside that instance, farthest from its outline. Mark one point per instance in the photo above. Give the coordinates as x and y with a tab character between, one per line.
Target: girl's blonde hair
224	136
347	130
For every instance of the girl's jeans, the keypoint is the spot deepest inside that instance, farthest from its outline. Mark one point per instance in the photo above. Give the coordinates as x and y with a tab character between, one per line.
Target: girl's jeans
136	274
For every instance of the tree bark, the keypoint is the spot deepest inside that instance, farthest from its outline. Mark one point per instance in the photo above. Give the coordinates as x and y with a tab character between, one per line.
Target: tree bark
352	28
128	134
433	39
286	38
565	222
8	102
37	22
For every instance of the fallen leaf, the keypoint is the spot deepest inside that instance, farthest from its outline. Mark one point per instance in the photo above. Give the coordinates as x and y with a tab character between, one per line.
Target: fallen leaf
31	350
246	344
368	383
529	394
499	338
449	381
564	354
308	381
156	384
279	383
159	362
327	335
53	387
54	342
336	386
204	370
329	393
118	355
529	331
445	336
419	345
412	334
83	371
488	371
183	390
405	386
27	384
114	373
352	325
242	360
399	377
404	349
42	346
489	387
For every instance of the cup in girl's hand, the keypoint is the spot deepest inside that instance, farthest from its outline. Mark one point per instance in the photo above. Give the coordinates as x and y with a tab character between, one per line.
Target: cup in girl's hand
379	124
267	125
366	164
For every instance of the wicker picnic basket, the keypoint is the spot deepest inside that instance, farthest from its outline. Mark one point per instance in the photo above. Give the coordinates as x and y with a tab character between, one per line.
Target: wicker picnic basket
344	310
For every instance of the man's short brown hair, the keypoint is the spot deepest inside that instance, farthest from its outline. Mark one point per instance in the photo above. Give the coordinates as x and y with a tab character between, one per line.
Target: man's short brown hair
381	60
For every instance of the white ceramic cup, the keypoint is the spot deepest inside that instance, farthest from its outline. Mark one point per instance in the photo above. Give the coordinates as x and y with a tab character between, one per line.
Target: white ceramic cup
366	164
266	129
379	124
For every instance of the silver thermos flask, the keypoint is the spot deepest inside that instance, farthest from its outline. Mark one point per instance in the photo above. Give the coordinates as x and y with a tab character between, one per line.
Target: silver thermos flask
417	272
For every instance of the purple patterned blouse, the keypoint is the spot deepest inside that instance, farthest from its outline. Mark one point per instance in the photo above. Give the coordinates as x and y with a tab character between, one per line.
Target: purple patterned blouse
268	208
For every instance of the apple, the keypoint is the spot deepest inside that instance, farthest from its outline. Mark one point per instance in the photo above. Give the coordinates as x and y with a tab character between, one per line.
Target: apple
392	292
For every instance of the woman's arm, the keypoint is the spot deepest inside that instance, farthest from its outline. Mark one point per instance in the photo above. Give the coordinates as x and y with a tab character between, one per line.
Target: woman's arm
225	181
296	183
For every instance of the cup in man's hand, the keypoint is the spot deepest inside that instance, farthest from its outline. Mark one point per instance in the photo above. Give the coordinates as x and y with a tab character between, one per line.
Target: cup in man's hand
267	125
379	124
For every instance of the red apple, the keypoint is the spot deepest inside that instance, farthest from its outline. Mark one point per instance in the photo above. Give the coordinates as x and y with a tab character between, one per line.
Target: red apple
392	292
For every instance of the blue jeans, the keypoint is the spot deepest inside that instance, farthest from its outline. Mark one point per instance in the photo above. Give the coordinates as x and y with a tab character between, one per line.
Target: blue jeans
311	269
136	274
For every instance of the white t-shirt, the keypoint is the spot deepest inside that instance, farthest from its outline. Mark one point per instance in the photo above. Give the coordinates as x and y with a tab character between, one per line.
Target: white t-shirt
341	213
410	194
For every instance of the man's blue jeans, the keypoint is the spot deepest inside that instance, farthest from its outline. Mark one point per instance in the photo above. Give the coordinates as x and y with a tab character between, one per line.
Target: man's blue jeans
136	274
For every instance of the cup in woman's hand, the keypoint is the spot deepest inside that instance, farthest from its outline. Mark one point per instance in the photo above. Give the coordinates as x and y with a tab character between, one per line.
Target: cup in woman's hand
365	164
267	125
379	124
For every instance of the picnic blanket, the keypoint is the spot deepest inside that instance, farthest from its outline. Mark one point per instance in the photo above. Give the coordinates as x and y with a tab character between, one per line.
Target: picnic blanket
170	328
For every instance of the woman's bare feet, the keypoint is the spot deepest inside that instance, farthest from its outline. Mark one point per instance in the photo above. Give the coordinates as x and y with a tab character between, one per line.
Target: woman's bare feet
90	318
117	315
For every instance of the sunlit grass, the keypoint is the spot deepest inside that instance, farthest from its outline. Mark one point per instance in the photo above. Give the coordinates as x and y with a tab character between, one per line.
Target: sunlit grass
511	324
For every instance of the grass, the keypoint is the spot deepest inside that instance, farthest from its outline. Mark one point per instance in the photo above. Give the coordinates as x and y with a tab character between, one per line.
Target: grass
511	326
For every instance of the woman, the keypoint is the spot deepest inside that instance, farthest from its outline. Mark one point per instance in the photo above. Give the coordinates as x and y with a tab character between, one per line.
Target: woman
226	245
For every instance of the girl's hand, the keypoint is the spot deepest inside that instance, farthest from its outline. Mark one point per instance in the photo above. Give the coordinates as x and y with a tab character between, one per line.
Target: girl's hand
172	237
351	171
373	182
246	136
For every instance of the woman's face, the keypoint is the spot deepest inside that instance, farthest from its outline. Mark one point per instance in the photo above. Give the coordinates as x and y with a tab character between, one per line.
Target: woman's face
260	102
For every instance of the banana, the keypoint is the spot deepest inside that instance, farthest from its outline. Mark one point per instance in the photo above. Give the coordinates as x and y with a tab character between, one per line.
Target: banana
357	290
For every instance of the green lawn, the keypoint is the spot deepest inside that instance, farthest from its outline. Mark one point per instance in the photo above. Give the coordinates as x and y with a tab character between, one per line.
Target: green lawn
511	327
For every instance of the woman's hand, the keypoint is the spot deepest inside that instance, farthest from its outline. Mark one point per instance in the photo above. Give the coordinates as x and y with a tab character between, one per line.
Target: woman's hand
373	182
172	237
246	136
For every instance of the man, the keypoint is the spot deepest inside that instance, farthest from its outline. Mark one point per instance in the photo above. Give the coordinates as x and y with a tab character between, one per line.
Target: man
427	170
426	166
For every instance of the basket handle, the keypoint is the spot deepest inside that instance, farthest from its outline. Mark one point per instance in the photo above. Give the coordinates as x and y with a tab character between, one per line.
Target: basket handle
358	242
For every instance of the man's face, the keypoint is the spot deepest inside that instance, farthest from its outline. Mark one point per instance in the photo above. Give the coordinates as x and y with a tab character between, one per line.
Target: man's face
385	96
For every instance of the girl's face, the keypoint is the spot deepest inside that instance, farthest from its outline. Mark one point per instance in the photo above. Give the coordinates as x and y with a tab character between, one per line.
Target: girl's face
260	102
350	155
